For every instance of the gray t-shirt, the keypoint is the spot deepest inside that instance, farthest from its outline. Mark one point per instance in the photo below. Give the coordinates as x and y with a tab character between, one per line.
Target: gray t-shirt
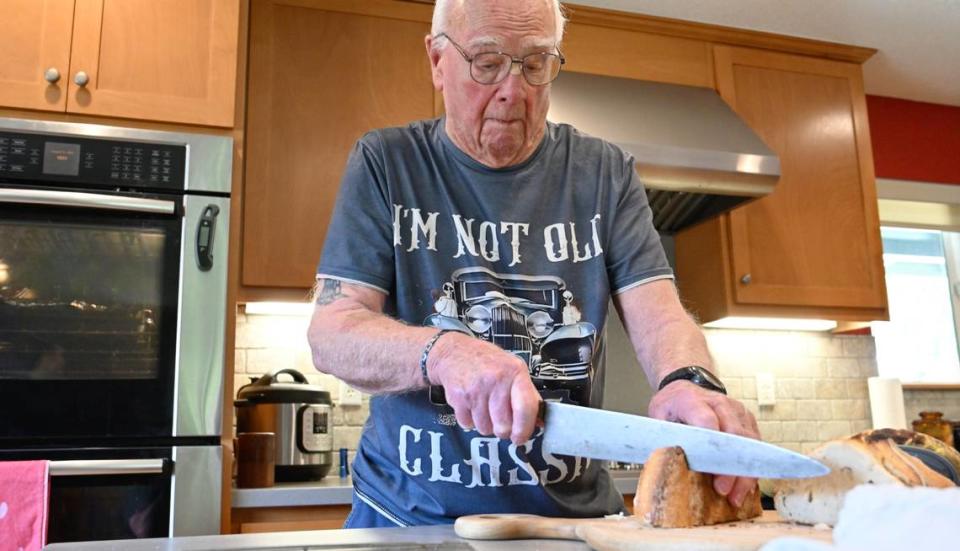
525	257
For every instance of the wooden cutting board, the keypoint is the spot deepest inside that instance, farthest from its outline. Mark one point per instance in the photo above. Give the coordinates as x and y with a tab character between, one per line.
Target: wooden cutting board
629	534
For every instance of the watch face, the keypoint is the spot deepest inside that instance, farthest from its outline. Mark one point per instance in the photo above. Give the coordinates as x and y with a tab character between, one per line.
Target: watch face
701	376
708	377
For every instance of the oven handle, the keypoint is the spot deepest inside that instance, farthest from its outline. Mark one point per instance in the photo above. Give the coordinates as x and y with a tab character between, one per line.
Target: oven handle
98	467
86	200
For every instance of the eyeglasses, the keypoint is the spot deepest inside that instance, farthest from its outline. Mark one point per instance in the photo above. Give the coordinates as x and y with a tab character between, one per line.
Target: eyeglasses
493	67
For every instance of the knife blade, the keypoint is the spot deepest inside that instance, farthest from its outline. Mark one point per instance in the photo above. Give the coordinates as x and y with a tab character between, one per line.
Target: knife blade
607	435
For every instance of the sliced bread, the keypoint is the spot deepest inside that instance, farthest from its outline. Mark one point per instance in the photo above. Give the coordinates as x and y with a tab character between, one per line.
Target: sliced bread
670	495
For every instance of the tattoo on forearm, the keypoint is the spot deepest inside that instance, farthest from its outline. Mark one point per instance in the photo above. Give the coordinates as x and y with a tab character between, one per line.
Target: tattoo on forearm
329	292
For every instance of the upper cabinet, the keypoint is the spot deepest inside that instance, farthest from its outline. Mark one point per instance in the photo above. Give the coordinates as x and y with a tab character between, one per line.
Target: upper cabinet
35	38
321	73
633	53
812	248
172	61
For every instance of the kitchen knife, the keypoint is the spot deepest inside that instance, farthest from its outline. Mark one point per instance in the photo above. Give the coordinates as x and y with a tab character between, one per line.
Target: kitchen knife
600	434
607	435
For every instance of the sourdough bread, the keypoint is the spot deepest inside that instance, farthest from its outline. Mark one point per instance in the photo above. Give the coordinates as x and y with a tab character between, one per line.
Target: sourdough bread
670	495
860	459
916	439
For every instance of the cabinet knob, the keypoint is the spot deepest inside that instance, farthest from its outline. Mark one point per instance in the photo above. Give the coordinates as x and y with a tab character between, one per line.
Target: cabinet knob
81	79
746	279
51	75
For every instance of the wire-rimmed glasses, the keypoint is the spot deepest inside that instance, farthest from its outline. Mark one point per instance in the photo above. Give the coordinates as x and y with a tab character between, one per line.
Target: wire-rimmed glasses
493	67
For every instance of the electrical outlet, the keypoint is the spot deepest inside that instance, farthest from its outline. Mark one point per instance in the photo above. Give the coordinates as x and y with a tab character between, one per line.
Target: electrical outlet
349	396
766	389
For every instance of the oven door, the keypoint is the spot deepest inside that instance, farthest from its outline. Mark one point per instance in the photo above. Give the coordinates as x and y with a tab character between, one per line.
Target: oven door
110	499
127	493
89	287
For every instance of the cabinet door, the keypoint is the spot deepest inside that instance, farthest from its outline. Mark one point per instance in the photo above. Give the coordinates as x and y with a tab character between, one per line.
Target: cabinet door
165	60
318	79
630	54
34	37
256	520
816	240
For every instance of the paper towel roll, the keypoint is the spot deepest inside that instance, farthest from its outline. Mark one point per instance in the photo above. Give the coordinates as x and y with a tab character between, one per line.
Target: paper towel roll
886	403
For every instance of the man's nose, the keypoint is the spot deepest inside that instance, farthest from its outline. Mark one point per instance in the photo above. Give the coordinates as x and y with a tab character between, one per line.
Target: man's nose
514	86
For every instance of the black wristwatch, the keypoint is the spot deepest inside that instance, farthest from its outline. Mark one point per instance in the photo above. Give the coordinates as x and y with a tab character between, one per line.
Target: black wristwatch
696	375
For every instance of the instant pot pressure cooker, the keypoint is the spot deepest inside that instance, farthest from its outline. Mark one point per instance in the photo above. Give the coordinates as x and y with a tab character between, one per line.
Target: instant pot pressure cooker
301	416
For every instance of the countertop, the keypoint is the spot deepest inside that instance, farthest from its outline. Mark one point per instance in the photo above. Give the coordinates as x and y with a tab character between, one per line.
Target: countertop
416	538
339	491
330	490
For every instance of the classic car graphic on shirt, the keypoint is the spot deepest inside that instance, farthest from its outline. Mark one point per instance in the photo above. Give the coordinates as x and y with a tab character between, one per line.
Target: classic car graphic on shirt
532	317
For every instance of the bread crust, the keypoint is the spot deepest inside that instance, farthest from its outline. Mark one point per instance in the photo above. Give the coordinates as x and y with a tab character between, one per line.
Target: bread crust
670	495
904	437
873	457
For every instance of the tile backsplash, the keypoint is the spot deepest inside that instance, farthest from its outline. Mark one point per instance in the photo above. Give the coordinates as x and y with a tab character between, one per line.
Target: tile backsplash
266	343
946	401
820	380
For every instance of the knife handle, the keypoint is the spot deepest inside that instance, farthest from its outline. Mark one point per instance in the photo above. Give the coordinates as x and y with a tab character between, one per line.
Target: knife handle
517	526
439	398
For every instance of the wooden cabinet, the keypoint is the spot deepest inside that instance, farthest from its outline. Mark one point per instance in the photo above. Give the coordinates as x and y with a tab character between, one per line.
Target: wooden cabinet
321	74
286	519
630	53
170	60
35	37
812	248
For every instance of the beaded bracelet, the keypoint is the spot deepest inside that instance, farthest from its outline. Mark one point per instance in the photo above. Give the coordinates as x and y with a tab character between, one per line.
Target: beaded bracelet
426	352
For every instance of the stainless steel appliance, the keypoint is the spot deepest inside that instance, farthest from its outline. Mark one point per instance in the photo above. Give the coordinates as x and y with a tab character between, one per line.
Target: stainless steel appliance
113	249
301	416
695	156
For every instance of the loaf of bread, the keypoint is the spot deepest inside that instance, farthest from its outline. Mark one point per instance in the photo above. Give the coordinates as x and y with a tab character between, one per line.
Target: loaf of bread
914	439
670	495
865	458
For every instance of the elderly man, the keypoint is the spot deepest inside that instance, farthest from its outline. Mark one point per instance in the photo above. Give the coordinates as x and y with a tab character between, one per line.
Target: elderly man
477	253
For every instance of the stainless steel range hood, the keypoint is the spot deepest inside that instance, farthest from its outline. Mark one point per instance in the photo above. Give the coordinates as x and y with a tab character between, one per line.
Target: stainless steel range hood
695	156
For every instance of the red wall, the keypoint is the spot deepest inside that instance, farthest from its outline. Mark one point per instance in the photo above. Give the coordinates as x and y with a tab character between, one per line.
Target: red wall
914	140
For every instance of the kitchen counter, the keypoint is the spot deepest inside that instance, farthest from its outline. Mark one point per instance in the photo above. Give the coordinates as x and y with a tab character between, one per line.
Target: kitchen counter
327	491
339	491
409	539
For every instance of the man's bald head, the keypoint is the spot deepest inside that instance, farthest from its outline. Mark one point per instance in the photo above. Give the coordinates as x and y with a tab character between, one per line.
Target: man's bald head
447	13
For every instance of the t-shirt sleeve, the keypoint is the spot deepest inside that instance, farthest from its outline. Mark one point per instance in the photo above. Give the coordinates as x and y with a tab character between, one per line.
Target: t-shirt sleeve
634	252
359	244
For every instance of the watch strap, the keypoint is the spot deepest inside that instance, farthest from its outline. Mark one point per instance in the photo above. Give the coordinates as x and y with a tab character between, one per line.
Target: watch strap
692	373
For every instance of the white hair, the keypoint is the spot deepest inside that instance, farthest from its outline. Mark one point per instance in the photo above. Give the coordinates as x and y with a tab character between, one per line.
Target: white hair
441	20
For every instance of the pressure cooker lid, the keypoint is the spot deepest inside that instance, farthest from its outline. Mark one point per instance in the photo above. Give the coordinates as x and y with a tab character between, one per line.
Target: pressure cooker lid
268	390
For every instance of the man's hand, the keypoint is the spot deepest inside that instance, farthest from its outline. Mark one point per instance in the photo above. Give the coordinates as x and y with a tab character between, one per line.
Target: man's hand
488	388
687	403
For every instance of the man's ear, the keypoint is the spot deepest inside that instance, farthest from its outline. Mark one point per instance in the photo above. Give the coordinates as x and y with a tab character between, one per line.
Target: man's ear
436	72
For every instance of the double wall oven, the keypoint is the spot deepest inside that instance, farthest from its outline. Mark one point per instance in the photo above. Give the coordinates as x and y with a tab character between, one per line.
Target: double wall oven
113	249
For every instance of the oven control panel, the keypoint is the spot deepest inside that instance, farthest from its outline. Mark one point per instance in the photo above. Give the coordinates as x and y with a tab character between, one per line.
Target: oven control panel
48	158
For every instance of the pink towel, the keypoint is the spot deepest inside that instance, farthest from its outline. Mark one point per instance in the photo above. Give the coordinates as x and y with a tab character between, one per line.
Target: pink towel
24	500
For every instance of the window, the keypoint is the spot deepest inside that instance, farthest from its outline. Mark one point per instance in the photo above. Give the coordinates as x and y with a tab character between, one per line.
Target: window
919	343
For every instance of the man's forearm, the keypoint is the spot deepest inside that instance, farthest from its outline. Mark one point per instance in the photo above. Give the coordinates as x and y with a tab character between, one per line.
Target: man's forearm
671	345
363	347
663	335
